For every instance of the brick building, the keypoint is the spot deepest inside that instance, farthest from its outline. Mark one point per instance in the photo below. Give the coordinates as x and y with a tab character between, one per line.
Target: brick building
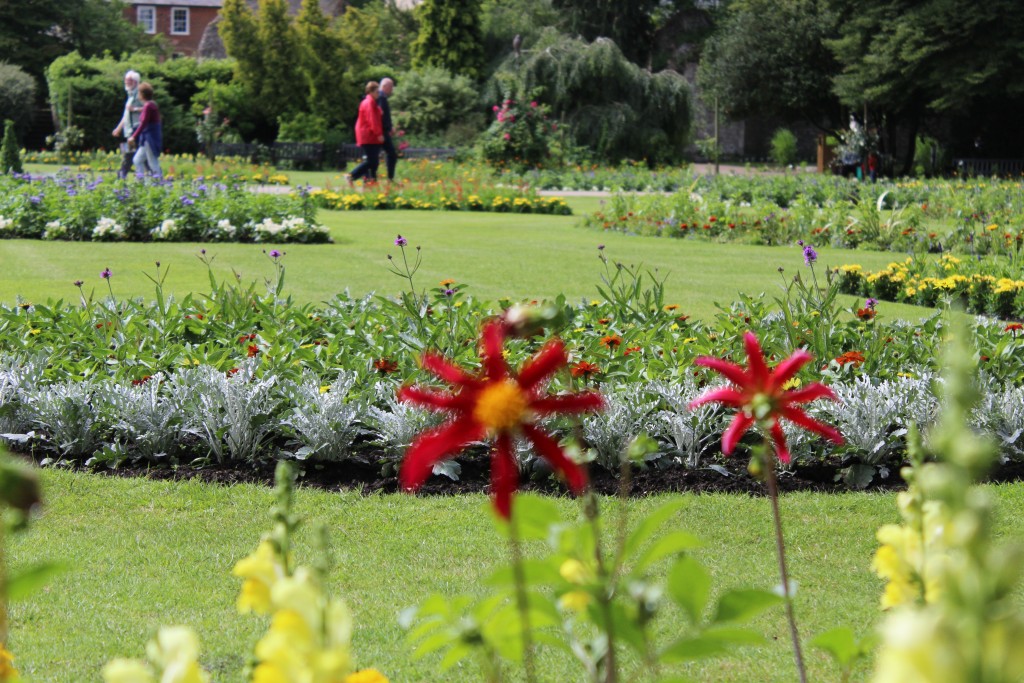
181	21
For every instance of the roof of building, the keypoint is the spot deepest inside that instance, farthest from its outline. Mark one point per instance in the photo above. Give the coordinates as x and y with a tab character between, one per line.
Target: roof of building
178	3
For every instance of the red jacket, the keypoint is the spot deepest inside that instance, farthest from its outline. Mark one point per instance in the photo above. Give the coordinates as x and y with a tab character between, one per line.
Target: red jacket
369	128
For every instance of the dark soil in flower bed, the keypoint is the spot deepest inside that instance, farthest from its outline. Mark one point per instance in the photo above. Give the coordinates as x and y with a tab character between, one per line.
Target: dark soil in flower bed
730	476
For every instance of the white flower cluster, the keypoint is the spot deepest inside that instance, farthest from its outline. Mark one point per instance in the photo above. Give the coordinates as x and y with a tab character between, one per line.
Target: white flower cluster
166	230
55	230
225	230
108	228
290	229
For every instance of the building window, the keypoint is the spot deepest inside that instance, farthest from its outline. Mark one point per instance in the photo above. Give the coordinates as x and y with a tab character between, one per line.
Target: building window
179	21
146	17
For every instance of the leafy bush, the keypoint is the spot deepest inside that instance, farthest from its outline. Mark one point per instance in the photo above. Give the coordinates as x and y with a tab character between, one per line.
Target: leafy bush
89	94
434	106
519	137
784	147
608	104
17	96
10	157
930	156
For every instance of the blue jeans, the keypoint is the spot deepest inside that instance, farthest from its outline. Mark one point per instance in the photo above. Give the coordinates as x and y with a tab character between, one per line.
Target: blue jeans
147	161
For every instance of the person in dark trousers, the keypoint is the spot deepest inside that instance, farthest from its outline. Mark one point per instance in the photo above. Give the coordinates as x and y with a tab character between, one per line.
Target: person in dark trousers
129	121
387	86
369	135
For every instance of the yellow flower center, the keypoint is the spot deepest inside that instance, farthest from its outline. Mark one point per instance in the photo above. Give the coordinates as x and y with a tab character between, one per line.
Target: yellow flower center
500	406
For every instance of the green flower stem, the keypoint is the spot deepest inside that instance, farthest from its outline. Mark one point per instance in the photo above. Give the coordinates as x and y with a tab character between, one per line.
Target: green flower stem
768	455
606	595
522	599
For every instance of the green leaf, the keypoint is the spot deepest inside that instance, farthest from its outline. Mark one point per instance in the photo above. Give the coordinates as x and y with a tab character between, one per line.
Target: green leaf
844	646
649	524
689	584
28	581
740	605
533	517
670	544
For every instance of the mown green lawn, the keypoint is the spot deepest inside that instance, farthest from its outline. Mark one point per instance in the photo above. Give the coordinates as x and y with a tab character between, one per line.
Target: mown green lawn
141	553
497	255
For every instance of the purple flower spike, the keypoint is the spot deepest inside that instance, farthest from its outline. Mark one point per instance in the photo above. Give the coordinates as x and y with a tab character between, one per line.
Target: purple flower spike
106	274
871	303
810	256
401	241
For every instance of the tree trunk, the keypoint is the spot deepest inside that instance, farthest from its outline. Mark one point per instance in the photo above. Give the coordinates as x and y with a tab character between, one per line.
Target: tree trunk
908	153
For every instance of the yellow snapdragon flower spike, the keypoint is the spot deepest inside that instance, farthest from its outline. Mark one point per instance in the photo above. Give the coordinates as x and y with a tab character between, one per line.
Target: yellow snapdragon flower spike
126	671
261	571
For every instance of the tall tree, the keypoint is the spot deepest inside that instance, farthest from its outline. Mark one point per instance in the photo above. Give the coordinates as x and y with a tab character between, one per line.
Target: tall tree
240	33
450	36
322	60
905	59
769	57
35	32
280	92
630	24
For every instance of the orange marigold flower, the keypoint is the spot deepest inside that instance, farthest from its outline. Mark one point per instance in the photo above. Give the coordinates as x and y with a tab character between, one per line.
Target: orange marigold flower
1014	328
252	350
584	369
855	357
866	313
385	365
611	341
447	282
604	321
631	349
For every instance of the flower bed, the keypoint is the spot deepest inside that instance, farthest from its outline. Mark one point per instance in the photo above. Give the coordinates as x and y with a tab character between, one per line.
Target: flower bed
983	287
176	166
448	196
100	208
235	376
971	218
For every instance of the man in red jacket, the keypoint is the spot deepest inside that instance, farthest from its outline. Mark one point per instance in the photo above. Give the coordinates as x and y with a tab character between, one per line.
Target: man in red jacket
369	136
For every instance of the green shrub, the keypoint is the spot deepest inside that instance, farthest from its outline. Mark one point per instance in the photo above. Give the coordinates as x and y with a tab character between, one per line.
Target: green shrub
17	96
929	156
301	127
10	158
784	147
89	94
520	136
430	102
603	101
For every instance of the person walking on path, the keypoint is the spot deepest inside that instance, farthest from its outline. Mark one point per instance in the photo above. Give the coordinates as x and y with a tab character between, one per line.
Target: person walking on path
149	135
369	135
387	86
129	121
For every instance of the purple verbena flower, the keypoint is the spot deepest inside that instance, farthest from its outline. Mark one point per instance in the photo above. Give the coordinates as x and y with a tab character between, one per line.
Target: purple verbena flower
186	200
449	292
810	256
871	303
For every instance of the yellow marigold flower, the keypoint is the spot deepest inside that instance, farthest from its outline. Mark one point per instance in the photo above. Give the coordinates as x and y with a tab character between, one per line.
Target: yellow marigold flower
366	676
852	268
992	228
792	384
122	671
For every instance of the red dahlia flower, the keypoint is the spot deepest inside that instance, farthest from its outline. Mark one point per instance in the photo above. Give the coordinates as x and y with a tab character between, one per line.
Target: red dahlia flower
759	395
496	404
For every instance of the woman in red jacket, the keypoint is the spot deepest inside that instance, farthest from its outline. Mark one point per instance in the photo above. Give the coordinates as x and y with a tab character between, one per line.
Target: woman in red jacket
369	135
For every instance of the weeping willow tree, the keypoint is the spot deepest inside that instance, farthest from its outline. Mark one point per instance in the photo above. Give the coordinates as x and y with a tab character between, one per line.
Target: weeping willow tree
608	104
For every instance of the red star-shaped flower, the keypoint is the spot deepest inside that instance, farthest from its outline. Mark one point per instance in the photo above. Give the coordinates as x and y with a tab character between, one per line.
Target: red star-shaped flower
760	397
496	404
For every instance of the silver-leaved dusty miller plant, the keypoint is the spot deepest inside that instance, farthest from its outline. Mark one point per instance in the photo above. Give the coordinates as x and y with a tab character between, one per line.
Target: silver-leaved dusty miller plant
324	419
